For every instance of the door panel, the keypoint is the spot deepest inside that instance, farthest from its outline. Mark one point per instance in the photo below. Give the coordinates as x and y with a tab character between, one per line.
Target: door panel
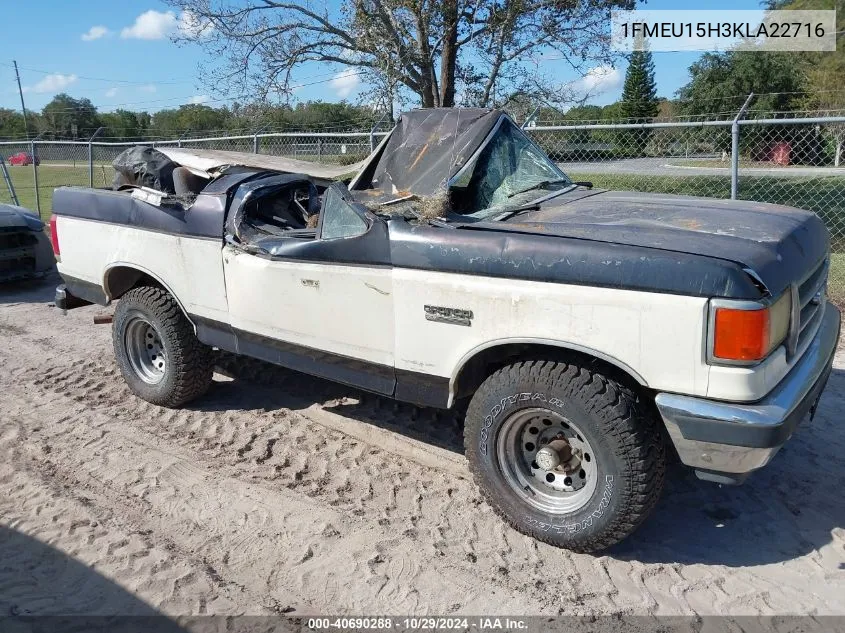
337	308
324	306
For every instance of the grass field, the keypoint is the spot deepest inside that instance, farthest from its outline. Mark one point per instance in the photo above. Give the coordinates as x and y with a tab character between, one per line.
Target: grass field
824	195
50	177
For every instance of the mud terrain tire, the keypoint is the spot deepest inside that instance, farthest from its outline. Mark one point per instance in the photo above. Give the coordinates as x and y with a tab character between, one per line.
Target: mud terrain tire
156	349
605	435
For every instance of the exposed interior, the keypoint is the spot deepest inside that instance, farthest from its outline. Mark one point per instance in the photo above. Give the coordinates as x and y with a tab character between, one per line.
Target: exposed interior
185	182
508	166
278	210
468	164
142	166
291	207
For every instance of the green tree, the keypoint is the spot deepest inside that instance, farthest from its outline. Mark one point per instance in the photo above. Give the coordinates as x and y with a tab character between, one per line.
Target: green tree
72	118
584	113
666	109
316	115
612	111
579	138
189	120
145	122
822	72
821	80
639	100
122	125
639	94
11	124
720	83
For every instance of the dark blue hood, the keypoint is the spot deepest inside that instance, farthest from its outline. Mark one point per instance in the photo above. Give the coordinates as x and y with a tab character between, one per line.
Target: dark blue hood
777	244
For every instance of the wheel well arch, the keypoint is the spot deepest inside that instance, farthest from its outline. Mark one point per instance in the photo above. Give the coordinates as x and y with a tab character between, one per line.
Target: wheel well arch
483	360
119	278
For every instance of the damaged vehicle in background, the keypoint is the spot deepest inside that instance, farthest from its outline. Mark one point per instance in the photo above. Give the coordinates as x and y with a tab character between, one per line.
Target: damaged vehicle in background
585	332
25	250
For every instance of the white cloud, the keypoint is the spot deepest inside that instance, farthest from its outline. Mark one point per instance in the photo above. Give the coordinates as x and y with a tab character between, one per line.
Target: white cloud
52	83
151	25
111	92
95	33
600	79
150	88
345	82
157	25
190	25
199	99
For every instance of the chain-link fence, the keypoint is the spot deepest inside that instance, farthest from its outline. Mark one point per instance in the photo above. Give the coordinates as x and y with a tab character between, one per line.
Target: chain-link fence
795	162
37	167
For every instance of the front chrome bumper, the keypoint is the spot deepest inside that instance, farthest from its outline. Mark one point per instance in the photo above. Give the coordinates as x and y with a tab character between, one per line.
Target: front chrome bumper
726	441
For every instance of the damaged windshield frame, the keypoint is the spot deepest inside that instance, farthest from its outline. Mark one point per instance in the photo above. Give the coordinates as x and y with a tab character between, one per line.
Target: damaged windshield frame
504	209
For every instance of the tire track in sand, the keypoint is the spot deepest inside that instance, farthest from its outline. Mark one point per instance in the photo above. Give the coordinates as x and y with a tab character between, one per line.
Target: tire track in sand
409	532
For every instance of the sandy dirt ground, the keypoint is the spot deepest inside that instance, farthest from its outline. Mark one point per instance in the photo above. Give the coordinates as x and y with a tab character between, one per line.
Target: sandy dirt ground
280	493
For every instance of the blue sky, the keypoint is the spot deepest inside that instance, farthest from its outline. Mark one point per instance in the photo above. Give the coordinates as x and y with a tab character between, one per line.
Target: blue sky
118	55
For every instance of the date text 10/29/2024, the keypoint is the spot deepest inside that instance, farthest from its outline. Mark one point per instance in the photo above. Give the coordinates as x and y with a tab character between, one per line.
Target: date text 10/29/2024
423	623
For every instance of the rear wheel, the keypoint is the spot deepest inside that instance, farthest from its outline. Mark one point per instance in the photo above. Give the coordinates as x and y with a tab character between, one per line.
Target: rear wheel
156	348
564	453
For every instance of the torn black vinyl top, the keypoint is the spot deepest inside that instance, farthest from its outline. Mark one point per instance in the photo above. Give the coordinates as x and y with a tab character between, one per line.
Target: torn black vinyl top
428	147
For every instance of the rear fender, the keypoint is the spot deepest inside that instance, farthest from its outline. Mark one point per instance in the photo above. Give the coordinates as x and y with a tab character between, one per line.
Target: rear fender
120	277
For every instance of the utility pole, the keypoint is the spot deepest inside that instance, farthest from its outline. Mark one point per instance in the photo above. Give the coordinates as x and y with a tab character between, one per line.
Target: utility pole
20	92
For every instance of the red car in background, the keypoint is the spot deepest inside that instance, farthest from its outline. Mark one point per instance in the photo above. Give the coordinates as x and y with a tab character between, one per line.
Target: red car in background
23	158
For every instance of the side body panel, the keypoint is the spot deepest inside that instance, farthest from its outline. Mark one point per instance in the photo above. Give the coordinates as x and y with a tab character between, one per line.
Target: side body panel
656	337
203	218
191	267
496	250
377	314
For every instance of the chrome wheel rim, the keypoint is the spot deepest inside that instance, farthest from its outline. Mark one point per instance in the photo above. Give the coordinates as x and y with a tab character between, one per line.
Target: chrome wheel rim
144	349
546	459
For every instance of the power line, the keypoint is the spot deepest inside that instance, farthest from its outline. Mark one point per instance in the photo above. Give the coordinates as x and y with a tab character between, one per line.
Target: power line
142	83
117	81
186	100
331	76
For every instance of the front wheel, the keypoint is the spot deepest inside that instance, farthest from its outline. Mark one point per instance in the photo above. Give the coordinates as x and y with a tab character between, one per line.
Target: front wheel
564	453
156	348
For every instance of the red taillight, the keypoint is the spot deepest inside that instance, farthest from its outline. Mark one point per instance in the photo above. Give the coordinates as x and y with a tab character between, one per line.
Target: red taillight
54	236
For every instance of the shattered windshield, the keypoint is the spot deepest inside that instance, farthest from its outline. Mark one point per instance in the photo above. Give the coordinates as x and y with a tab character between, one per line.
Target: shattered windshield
509	172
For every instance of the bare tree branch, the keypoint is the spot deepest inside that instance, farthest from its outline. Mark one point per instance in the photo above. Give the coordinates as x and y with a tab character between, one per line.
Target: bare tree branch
474	52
